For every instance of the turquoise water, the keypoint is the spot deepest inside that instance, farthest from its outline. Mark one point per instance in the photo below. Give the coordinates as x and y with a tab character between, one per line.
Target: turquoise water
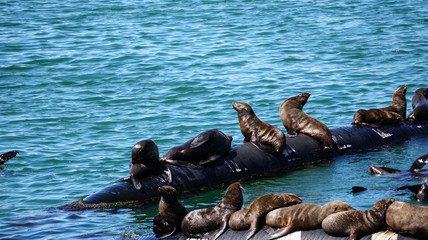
83	81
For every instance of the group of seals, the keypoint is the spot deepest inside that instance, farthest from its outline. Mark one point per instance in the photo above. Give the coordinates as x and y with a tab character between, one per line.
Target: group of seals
356	224
252	216
420	105
395	113
303	216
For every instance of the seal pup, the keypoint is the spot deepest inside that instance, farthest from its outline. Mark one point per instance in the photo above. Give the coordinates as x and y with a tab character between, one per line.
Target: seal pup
144	162
420	105
208	146
6	156
201	221
296	121
256	131
407	218
357	224
171	213
398	103
304	216
252	216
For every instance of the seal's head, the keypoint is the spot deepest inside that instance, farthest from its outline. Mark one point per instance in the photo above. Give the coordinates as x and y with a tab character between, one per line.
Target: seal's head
242	108
146	152
168	192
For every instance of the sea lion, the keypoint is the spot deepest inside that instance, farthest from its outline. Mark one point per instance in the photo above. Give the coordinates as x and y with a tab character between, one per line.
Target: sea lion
6	156
206	147
256	131
357	224
420	105
304	216
144	162
415	169
201	221
252	216
398	103
408	218
297	121
422	195
171	213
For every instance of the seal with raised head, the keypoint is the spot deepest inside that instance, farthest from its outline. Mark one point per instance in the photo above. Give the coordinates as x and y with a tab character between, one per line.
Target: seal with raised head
208	146
398	103
201	221
252	216
144	162
304	216
256	131
407	218
171	213
296	121
420	105
6	156
356	224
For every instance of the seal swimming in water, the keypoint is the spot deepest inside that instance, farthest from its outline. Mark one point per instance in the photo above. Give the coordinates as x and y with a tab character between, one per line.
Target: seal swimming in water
201	221
422	195
415	169
420	105
303	216
252	216
208	146
395	113
297	121
6	156
171	213
357	224
144	162
256	131
407	218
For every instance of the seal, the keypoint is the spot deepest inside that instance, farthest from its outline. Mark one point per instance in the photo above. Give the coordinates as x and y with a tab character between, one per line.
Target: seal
357	224
7	156
208	146
304	216
252	216
201	221
408	218
171	213
415	169
422	195
144	162
256	131
398	103
296	121
420	105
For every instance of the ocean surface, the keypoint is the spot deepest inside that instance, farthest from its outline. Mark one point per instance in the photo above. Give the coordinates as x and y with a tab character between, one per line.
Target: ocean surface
83	81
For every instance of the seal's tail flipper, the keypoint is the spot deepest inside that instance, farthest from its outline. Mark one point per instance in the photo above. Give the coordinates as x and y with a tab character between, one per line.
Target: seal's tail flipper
280	232
357	189
419	163
6	156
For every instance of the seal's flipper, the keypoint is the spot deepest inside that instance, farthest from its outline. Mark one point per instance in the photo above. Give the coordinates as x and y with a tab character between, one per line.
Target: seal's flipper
210	159
280	232
165	235
215	234
291	133
357	189
6	156
418	164
125	179
252	230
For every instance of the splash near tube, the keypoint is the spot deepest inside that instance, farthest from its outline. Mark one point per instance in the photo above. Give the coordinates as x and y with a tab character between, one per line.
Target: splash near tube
247	161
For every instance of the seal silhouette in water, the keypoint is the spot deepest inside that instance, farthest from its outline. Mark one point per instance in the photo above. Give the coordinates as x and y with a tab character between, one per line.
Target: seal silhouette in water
395	113
206	147
304	216
420	105
252	216
296	121
356	224
171	213
201	221
415	169
7	156
256	131
408	218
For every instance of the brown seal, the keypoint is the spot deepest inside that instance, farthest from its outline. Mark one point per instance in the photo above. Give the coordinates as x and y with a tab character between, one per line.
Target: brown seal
297	121
304	216
398	103
420	105
252	216
171	213
201	221
206	147
256	131
357	224
408	218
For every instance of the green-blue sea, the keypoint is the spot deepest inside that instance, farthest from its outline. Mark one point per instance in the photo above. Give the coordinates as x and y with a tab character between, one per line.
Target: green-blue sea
82	81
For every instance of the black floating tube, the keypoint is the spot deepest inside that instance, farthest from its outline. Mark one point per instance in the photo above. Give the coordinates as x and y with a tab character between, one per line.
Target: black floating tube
248	160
